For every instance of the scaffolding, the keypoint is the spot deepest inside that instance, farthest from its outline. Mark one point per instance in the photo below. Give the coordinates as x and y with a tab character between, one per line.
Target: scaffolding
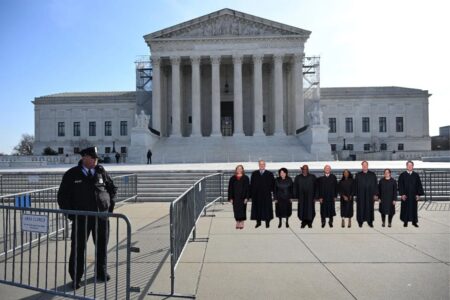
311	85
143	84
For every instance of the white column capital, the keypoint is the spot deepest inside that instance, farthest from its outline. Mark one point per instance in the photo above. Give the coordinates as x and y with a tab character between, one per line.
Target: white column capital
195	60
298	57
237	59
215	59
278	58
258	58
175	60
155	60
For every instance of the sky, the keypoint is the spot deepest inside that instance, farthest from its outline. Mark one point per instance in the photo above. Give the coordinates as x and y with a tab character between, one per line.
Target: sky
53	46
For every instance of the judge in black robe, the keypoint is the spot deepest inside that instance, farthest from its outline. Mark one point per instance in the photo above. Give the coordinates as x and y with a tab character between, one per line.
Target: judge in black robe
410	189
238	195
387	194
262	185
346	194
327	194
305	192
365	189
283	196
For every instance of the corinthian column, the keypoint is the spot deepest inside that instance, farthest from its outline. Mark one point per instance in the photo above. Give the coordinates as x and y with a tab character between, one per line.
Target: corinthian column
196	131
258	94
176	103
156	93
278	94
215	78
238	110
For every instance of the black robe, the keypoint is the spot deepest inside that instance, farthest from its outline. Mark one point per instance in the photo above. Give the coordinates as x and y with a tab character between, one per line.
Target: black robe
305	192
261	193
345	188
411	186
387	192
239	190
283	195
365	187
327	190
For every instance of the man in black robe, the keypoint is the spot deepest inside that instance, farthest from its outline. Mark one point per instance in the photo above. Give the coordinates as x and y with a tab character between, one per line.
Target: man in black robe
305	192
365	188
410	189
262	185
327	194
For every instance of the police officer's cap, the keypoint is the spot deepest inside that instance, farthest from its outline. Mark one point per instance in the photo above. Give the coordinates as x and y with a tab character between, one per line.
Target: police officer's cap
91	151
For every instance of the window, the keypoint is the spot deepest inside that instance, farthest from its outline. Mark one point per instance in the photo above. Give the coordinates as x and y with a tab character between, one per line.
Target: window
332	124
123	128
348	124
76	128
107	150
400	147
383	147
399	124
76	150
382	122
333	147
350	147
123	150
365	124
92	129
60	150
107	128
366	147
61	129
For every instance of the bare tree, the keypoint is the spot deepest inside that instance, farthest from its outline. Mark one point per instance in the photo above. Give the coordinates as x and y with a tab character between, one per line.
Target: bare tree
25	146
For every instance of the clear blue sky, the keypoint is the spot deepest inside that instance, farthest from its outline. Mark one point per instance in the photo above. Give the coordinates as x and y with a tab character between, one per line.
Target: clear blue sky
56	46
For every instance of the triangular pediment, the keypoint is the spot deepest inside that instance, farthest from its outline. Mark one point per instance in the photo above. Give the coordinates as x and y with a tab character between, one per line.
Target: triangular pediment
227	23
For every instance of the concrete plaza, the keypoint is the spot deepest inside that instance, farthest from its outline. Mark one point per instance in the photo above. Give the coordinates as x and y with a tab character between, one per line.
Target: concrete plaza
289	263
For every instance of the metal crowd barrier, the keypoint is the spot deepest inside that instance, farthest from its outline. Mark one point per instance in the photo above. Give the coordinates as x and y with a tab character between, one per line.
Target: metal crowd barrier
15	183
185	211
437	185
39	260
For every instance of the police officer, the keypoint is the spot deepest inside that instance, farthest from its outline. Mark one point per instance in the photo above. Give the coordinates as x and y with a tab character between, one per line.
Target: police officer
87	187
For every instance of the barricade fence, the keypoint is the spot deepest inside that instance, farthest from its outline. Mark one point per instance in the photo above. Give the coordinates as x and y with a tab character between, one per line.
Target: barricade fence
39	260
185	211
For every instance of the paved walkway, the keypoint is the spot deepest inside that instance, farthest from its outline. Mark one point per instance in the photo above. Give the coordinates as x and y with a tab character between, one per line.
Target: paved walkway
290	263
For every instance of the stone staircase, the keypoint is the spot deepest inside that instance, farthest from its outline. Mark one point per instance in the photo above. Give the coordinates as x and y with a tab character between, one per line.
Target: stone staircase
163	186
231	149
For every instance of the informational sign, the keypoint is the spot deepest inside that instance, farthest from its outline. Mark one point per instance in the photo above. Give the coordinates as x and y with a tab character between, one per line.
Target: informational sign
35	223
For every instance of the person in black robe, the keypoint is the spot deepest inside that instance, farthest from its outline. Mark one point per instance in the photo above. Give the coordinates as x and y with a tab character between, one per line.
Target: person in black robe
365	189
346	197
262	185
327	194
410	189
387	194
238	194
283	196
305	192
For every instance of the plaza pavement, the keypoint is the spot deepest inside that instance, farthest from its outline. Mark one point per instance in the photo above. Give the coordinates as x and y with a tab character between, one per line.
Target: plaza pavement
289	263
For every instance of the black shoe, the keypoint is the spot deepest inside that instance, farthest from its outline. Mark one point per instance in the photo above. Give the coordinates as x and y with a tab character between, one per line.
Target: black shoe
76	285
309	225
279	225
371	225
415	225
331	224
389	225
103	277
383	225
360	225
405	224
267	224
323	224
258	223
303	225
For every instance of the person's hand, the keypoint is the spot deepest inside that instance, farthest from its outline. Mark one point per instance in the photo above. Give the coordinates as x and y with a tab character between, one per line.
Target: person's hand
276	201
290	200
231	201
417	197
393	202
345	198
404	197
375	198
321	200
245	201
334	198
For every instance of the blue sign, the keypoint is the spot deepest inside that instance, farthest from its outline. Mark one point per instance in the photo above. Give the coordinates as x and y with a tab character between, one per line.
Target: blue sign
22	201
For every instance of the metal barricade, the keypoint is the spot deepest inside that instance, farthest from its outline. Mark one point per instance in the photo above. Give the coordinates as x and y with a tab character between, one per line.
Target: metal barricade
18	182
185	211
126	187
436	185
41	252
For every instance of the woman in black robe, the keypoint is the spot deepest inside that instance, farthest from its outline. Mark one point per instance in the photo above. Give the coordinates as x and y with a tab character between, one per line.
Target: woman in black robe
387	194
327	194
345	192
410	189
238	194
283	196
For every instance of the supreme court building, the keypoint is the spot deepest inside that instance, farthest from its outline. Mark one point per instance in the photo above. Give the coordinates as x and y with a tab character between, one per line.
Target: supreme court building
229	86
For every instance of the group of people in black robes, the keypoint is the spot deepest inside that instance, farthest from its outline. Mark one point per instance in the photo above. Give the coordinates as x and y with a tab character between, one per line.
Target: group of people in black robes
364	189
